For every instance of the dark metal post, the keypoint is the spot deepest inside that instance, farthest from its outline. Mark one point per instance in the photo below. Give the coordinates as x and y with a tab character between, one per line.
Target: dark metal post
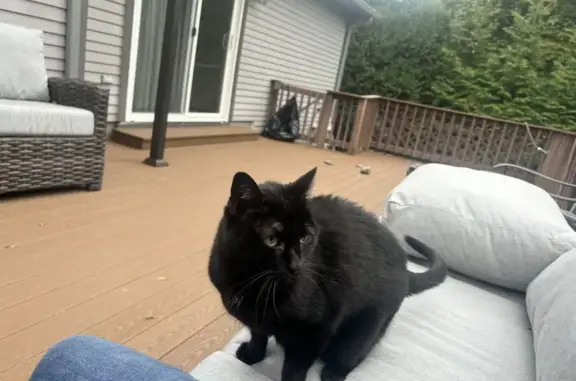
165	82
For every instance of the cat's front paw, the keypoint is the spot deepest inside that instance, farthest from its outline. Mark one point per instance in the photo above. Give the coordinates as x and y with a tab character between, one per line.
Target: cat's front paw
330	375
248	355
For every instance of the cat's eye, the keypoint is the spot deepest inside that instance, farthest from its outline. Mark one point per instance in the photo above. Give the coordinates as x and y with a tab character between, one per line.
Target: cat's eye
271	241
306	239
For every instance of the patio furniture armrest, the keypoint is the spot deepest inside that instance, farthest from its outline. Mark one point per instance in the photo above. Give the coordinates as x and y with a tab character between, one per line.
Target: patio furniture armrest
82	94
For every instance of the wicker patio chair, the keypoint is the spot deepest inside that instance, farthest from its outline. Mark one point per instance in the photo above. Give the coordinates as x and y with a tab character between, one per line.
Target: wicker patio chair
59	156
39	162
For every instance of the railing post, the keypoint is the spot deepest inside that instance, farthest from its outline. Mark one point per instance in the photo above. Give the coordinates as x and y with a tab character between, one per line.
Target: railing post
325	114
370	118
273	97
363	124
353	146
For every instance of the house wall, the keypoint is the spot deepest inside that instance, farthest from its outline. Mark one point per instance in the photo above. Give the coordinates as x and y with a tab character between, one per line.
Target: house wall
104	38
299	42
47	15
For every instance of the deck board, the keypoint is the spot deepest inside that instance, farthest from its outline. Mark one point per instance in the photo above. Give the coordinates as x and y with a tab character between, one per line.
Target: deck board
129	263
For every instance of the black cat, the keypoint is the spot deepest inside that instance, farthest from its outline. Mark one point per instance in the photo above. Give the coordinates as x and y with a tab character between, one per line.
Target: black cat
320	274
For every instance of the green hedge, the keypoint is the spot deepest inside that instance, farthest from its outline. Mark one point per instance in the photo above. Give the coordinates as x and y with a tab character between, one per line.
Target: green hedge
512	59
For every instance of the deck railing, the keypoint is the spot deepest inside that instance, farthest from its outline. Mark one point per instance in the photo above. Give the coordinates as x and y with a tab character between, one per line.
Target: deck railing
355	123
310	104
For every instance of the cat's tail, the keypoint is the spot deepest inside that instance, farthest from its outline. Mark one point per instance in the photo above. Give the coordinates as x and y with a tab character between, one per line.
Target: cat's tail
436	273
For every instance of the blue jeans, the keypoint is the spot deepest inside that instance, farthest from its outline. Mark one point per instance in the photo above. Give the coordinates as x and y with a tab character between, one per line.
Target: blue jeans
87	358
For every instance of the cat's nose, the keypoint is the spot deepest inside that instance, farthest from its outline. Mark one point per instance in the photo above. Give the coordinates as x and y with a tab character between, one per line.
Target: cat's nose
294	263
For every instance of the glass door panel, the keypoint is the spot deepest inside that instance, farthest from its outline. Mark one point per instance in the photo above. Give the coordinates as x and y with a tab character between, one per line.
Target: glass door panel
153	16
212	54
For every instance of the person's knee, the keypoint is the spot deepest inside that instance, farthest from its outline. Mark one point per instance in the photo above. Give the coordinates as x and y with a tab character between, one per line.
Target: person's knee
75	344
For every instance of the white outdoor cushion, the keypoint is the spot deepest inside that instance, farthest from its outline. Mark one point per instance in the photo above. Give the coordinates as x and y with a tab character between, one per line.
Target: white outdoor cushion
27	118
461	330
22	66
221	366
489	226
551	302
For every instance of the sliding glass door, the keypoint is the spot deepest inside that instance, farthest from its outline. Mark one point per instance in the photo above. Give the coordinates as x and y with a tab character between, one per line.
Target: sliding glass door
212	55
204	68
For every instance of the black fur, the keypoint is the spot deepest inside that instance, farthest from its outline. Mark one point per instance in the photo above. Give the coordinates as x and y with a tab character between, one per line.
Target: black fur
319	273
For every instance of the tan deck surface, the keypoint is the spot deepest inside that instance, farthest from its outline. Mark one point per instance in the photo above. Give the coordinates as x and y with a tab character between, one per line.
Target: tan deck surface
129	263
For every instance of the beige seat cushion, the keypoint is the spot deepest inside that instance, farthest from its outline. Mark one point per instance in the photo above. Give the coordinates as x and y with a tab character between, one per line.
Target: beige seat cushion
26	118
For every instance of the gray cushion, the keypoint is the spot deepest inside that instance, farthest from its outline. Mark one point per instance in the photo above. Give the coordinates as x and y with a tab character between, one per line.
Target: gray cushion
489	226
26	118
22	67
551	302
221	366
461	330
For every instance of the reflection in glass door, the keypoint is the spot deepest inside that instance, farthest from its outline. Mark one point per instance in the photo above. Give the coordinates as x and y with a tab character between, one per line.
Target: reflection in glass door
152	20
212	55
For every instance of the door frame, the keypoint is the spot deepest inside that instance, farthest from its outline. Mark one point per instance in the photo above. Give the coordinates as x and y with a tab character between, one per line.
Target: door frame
229	72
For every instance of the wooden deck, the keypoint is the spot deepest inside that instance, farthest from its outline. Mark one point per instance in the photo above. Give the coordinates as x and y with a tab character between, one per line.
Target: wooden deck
129	263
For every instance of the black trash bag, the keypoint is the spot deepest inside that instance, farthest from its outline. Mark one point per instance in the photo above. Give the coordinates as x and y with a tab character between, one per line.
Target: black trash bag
285	124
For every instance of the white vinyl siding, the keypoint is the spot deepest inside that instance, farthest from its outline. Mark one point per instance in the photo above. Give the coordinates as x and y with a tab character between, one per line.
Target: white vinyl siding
298	42
104	38
47	15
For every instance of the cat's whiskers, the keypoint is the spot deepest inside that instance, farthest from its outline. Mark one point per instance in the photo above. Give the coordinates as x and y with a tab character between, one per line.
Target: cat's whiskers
256	310
274	298
252	280
270	284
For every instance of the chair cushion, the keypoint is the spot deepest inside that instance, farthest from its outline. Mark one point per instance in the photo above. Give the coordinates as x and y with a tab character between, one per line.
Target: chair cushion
221	366
552	311
486	225
22	67
460	330
26	118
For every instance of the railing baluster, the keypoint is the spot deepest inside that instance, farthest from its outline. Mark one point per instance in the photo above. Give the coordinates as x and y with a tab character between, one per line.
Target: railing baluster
489	145
470	134
384	126
313	122
443	158
304	117
500	144
392	128
480	140
324	119
520	156
346	140
535	152
397	148
438	138
454	158
511	146
420	134
426	142
409	130
340	106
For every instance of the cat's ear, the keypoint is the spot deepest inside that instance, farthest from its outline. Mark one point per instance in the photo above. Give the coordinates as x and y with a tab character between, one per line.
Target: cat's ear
244	193
302	186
